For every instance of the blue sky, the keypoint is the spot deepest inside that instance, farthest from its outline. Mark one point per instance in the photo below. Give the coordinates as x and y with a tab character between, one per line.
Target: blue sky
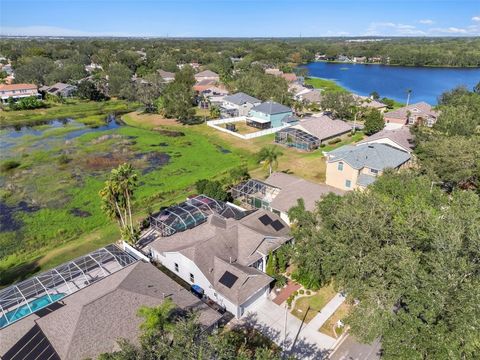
245	18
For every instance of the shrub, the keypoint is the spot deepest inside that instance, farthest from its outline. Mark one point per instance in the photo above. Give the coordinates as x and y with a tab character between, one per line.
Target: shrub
301	291
308	292
9	165
334	141
289	301
63	159
280	280
295	293
322	145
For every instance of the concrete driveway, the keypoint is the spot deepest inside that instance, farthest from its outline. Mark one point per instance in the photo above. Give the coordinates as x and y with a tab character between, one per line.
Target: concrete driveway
351	349
282	327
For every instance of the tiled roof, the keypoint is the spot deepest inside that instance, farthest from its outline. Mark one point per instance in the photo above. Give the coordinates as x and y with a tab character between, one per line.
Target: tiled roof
374	156
4	87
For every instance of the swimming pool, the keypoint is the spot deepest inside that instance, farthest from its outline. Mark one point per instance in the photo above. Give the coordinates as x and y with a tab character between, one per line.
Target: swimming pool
29	308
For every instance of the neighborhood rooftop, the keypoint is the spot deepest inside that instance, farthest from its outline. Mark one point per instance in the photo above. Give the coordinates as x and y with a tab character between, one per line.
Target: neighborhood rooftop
401	137
374	156
241	98
324	127
271	108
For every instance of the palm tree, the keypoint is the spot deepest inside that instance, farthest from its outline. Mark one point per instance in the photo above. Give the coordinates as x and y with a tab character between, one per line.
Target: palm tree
269	156
117	196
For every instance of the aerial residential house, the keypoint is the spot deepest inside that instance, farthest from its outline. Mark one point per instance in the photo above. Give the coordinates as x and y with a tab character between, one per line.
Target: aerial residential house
309	133
313	96
355	167
359	59
221	251
18	91
80	309
270	115
207	75
280	192
401	139
166	75
274	72
415	114
213	95
368	102
7	68
59	89
93	67
238	104
290	77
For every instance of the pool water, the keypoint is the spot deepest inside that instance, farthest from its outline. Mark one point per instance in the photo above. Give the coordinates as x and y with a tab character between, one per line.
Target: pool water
26	310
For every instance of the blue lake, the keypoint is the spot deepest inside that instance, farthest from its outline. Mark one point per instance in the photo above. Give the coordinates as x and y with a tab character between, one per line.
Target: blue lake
393	81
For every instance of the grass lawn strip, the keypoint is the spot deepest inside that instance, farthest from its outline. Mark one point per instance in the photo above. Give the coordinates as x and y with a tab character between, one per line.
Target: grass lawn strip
340	314
316	302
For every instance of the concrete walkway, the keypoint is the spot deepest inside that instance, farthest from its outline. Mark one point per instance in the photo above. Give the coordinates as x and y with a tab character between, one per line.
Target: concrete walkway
327	311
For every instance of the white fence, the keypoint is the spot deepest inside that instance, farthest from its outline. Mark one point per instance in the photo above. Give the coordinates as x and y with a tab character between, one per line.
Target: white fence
214	124
134	252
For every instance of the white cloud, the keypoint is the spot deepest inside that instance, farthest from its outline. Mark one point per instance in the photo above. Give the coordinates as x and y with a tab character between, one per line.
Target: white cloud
390	28
472	30
426	22
476	18
54	31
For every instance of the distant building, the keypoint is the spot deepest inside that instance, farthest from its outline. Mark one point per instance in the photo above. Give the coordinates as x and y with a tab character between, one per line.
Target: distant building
18	91
207	75
359	59
274	71
59	89
368	102
166	75
355	167
290	77
415	114
93	67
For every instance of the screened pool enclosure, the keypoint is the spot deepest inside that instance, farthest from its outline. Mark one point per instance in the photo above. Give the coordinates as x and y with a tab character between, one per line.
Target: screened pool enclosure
255	194
297	138
191	213
24	298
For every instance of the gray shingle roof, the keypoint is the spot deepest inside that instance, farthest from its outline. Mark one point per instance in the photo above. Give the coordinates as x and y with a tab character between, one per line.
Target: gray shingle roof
271	108
324	127
374	156
241	98
365	180
293	188
216	246
94	318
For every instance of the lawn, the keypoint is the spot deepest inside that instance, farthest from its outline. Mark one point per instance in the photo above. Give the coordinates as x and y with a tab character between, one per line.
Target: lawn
242	127
324	84
316	303
358	136
341	313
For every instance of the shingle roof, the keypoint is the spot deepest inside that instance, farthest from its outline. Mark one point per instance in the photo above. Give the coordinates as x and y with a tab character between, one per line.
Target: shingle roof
365	180
402	136
271	108
241	98
324	127
230	244
418	108
314	96
166	74
374	156
293	188
206	73
94	318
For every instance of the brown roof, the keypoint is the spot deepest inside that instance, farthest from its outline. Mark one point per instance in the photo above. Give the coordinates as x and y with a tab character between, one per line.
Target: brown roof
221	244
293	188
402	137
324	127
5	87
94	318
290	77
206	73
421	108
166	74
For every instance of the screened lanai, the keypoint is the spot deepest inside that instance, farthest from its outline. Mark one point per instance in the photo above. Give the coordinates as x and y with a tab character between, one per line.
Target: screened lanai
191	213
24	298
255	194
297	138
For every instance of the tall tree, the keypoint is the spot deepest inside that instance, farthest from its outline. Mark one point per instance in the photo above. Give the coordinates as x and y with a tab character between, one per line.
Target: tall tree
118	76
373	121
117	196
178	97
269	155
341	104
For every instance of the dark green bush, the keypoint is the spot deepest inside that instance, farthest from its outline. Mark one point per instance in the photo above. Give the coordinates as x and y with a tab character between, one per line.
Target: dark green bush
9	165
334	141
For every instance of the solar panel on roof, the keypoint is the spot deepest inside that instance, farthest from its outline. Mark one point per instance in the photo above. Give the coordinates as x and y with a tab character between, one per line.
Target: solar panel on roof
228	279
265	219
277	225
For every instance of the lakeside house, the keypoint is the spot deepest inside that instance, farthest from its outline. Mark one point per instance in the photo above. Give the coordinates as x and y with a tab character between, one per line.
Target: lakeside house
59	89
311	132
415	114
280	192
270	114
221	250
207	75
368	102
80	309
167	76
238	104
18	91
401	139
355	167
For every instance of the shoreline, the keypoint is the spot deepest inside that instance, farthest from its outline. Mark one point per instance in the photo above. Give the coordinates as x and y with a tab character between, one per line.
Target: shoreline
393	65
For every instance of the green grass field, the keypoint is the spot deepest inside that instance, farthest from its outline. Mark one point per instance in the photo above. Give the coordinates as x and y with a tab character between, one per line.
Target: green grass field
324	84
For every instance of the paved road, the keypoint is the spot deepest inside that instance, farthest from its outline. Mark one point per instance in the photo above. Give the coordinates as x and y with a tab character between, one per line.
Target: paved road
327	311
351	349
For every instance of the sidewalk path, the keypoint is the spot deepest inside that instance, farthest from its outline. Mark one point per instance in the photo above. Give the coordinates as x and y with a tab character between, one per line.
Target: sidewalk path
327	311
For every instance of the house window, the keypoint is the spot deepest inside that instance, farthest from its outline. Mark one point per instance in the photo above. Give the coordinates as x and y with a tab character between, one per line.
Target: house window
176	267
348	183
340	166
192	278
373	171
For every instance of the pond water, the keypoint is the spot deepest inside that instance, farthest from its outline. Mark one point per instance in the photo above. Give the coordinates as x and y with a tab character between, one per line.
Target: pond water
393	81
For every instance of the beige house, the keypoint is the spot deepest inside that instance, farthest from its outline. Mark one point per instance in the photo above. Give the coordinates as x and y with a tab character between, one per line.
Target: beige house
416	114
355	167
18	91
